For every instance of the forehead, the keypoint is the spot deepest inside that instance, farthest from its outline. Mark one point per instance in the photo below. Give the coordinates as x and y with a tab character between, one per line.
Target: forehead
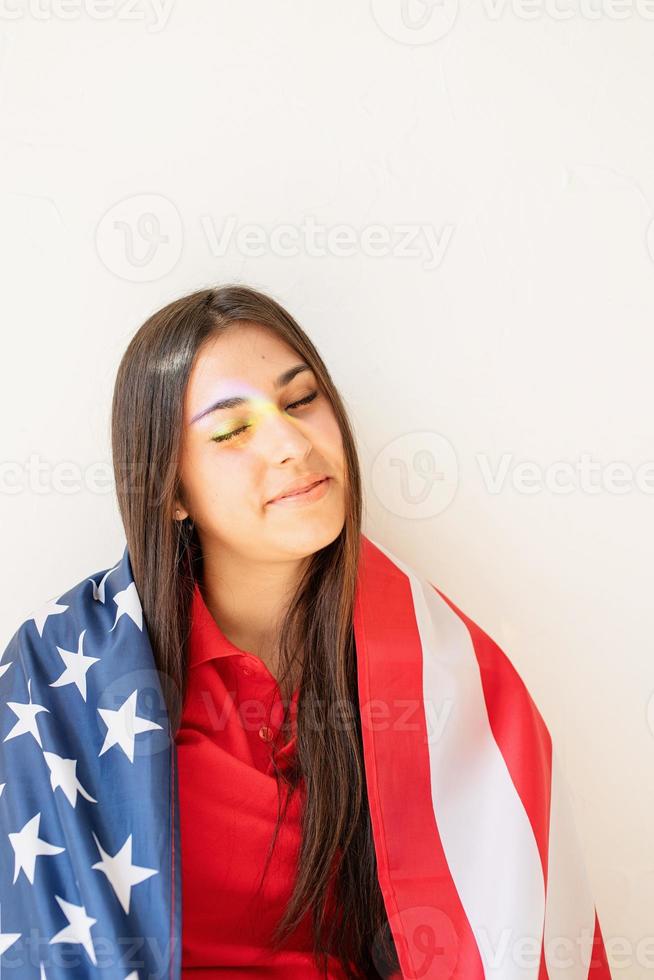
243	360
242	347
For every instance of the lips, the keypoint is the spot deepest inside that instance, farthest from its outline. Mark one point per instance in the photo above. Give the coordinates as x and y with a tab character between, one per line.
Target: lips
304	489
300	486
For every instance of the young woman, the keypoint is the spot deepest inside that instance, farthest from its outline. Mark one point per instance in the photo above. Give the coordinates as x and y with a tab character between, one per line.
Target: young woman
248	526
273	749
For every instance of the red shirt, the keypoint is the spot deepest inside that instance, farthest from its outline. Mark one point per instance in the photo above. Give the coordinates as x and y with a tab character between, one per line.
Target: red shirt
228	810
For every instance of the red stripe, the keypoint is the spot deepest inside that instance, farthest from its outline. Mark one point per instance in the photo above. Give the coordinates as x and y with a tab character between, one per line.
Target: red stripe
521	735
599	964
542	968
518	728
526	746
172	878
431	932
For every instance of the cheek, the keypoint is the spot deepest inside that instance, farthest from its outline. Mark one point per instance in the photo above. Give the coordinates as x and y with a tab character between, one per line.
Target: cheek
228	486
332	440
210	485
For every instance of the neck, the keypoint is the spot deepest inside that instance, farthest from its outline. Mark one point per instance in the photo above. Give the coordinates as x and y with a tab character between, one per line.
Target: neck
248	599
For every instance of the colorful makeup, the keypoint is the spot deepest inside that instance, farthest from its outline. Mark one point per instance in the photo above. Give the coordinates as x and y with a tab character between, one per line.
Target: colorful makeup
262	406
232	402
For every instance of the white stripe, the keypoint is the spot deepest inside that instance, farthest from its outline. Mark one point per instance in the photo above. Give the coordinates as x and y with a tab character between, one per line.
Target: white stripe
484	828
570	909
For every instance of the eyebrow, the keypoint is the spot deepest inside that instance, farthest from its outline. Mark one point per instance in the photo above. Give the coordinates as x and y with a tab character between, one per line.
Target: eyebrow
280	382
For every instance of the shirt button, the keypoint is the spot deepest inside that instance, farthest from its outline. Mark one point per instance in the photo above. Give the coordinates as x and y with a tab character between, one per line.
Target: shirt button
265	733
246	670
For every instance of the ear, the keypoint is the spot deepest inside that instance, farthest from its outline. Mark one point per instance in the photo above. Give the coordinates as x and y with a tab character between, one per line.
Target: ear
180	513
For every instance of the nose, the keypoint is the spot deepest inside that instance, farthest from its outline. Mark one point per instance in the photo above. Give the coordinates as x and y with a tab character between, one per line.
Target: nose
281	429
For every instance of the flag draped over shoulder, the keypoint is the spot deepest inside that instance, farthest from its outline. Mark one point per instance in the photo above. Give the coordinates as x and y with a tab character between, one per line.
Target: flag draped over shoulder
478	858
89	875
479	865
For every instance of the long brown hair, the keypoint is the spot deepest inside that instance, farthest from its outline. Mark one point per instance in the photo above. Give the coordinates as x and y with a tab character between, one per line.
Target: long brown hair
337	848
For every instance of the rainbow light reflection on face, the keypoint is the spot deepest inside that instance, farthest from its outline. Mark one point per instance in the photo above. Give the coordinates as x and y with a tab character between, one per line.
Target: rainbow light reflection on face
260	407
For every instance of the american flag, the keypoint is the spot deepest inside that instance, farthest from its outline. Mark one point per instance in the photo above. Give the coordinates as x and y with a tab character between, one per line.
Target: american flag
479	860
87	836
478	857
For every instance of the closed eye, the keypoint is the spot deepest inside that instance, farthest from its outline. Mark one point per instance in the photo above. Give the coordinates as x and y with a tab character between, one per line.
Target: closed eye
242	428
303	401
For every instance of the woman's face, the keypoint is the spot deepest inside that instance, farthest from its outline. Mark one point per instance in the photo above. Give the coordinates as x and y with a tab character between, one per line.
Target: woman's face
236	459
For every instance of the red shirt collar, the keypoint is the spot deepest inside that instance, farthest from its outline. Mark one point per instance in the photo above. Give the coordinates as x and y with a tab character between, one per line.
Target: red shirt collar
207	640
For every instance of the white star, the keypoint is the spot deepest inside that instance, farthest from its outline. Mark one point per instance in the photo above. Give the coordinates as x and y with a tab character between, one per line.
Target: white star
98	589
120	871
128	603
2	786
7	939
26	714
63	773
76	667
134	975
78	929
28	846
4	667
123	726
50	608
43	976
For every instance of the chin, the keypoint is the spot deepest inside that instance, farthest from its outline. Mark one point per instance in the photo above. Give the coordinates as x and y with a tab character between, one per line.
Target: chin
305	536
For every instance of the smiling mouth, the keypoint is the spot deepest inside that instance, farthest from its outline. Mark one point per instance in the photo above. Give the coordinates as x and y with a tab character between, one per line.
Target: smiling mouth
306	492
296	493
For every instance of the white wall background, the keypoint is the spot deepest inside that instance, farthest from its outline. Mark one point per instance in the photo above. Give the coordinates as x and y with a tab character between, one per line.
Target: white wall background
513	141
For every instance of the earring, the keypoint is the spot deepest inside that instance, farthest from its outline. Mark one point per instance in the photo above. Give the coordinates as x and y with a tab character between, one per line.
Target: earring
187	523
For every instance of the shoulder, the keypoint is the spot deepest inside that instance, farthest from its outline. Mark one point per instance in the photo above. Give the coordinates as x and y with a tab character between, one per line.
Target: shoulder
94	603
512	709
453	641
83	651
